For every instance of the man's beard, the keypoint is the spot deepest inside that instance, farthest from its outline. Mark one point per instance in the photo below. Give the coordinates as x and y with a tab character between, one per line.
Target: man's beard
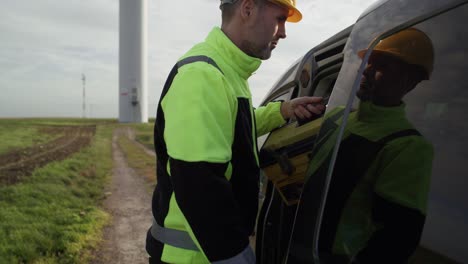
364	92
263	52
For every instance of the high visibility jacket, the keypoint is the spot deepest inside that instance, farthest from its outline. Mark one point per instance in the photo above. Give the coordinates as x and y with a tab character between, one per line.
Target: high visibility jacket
377	198
205	138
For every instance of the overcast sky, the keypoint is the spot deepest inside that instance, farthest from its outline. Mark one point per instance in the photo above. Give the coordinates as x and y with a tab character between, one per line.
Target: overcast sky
45	46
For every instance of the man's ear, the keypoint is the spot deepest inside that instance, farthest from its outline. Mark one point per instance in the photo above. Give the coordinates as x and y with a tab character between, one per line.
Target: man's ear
247	8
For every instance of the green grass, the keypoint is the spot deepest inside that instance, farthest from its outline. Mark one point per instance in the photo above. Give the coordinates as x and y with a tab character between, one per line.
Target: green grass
54	216
22	133
139	160
21	136
144	134
57	121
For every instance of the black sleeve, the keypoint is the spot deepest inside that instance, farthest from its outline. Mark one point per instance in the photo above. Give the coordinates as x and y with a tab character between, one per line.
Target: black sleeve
398	237
206	199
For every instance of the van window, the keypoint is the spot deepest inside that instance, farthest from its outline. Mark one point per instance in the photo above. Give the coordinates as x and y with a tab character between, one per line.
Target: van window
438	109
403	153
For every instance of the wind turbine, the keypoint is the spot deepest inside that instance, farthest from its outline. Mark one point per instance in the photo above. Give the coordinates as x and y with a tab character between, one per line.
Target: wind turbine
133	65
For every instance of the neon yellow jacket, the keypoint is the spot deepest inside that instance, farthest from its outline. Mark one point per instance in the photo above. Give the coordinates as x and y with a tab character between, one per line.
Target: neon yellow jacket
208	182
399	175
380	214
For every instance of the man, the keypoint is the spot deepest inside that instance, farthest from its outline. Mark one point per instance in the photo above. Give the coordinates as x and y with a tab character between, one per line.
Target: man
376	203
205	202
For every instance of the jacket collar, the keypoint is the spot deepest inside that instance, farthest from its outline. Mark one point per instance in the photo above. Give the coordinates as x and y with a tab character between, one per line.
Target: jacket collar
242	63
369	112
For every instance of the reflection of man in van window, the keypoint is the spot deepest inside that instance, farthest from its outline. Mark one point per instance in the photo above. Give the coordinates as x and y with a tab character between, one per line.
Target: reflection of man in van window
377	199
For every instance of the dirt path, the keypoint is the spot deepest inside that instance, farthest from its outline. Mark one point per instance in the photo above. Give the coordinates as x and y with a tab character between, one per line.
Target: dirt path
129	203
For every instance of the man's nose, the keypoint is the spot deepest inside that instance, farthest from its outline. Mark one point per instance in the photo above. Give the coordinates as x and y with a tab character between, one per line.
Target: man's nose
368	66
282	31
368	70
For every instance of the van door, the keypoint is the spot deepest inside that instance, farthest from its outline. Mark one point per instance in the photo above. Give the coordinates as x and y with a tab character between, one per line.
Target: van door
284	154
422	173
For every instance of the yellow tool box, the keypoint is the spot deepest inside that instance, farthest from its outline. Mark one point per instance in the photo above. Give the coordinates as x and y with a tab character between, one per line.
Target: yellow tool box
284	157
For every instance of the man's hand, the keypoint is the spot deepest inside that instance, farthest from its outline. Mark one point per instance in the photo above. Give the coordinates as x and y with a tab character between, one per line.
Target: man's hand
302	108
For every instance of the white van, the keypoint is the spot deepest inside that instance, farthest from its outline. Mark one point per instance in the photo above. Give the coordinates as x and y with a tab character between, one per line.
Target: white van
300	220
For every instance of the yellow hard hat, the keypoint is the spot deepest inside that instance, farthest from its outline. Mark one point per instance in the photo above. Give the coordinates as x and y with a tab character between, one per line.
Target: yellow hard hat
294	14
410	45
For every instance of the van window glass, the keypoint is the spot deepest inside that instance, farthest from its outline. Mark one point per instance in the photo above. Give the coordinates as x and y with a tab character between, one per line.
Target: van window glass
402	158
438	109
399	174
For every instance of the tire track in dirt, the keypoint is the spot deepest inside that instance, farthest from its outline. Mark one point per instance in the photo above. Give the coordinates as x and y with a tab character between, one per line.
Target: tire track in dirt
131	135
129	203
17	164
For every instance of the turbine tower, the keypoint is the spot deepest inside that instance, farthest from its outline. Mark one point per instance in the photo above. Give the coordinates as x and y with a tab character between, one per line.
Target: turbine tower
133	65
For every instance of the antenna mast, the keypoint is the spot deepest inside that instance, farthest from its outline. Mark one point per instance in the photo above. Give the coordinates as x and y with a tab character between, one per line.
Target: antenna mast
83	78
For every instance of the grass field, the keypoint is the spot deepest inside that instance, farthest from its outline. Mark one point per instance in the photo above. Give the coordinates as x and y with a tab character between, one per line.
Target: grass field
53	215
144	134
139	160
16	136
22	133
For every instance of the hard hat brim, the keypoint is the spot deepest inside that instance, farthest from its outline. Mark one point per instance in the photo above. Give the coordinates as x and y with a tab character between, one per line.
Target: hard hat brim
294	15
396	55
361	54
